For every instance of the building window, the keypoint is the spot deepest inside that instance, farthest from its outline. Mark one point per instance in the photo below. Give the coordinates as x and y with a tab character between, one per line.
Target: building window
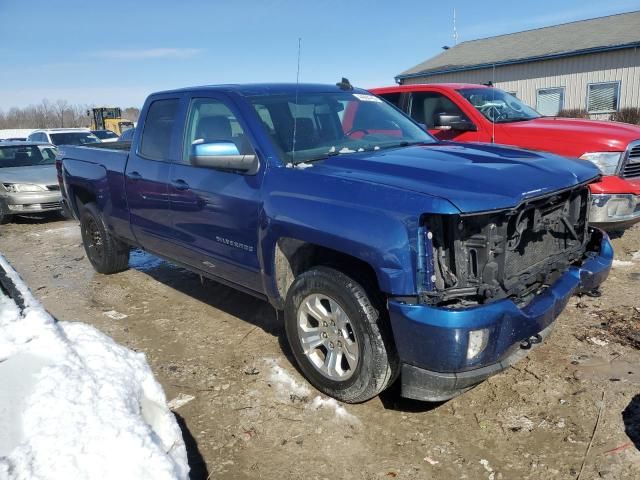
549	101
603	97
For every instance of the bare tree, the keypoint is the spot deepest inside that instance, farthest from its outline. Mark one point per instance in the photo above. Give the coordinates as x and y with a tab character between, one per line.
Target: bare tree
131	113
59	114
60	107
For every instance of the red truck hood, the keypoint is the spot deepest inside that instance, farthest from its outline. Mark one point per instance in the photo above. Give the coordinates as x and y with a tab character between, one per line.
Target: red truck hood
568	136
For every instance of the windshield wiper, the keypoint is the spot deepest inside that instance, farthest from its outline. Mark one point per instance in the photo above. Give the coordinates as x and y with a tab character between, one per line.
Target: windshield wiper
324	156
342	151
515	119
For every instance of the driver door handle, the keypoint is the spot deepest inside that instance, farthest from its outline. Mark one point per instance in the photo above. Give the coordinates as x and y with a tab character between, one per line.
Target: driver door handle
134	176
180	184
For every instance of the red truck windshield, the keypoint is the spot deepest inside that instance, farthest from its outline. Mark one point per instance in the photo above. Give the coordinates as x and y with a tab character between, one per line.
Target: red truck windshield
498	106
315	126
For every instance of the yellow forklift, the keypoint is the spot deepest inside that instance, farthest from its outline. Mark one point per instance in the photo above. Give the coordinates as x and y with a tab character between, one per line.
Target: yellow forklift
109	118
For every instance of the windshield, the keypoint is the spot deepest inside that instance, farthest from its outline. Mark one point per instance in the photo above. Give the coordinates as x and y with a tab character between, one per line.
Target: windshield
327	124
498	106
74	138
26	156
104	134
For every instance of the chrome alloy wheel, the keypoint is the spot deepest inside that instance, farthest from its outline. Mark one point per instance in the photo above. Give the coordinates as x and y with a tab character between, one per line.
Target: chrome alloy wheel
327	337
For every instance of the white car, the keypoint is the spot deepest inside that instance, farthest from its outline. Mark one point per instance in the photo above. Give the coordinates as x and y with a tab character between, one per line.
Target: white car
105	136
64	136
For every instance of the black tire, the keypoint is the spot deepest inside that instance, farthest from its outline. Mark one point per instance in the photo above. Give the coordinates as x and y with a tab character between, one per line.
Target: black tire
106	254
377	364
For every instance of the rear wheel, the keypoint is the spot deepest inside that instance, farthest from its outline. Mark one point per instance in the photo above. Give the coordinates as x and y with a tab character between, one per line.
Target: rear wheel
340	341
106	253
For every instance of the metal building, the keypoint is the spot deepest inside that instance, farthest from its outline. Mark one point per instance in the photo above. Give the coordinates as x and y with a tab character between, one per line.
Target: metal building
591	65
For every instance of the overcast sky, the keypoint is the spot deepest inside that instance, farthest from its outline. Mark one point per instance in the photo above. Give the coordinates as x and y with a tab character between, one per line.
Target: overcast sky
115	53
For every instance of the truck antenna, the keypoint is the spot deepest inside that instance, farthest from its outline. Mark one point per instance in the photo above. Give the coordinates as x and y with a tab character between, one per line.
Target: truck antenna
295	113
455	30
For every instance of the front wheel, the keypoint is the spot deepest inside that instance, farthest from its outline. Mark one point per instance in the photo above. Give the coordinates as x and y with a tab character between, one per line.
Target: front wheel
339	339
106	253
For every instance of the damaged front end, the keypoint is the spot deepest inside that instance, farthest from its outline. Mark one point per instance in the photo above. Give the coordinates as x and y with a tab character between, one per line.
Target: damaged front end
490	288
474	259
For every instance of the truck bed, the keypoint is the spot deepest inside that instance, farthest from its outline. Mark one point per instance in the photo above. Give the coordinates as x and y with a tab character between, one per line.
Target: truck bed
97	172
111	156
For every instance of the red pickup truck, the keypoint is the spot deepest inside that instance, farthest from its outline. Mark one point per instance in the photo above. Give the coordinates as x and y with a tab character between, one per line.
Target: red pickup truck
477	113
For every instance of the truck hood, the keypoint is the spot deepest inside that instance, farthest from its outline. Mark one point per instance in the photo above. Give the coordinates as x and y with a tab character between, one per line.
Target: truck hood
573	136
473	177
37	174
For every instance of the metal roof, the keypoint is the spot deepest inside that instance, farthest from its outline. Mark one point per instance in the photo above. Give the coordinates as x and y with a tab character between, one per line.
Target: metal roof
575	38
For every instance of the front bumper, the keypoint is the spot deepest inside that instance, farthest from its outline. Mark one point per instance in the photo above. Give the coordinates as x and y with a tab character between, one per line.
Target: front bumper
614	210
32	202
432	342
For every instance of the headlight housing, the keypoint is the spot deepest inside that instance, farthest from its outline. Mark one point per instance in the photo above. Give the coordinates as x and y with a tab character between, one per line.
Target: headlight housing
22	187
607	162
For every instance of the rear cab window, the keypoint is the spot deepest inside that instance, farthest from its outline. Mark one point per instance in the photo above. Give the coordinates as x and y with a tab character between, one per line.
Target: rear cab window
155	143
392	97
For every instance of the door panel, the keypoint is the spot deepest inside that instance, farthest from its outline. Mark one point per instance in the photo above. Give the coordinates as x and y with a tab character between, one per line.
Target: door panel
215	213
147	176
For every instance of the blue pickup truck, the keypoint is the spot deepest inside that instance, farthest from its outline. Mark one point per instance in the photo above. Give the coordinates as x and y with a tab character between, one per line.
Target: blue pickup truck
390	253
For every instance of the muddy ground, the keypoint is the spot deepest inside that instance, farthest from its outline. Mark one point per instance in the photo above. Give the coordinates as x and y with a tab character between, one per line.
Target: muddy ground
253	416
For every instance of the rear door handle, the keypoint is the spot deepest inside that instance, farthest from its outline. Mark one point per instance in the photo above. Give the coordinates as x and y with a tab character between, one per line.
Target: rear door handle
134	176
180	184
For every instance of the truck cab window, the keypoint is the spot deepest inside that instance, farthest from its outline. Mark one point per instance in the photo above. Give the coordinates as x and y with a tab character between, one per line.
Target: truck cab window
393	98
210	120
156	136
427	106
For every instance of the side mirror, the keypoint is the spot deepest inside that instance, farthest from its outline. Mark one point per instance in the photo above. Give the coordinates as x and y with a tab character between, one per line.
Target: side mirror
454	122
223	156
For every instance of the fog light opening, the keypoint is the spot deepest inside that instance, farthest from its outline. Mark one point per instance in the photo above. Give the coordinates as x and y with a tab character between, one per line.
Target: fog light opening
478	341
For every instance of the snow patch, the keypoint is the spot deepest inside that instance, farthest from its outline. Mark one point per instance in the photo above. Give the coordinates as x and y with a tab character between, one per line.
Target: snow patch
333	404
598	341
74	404
114	315
287	386
636	255
179	401
71	231
487	467
621	263
303	165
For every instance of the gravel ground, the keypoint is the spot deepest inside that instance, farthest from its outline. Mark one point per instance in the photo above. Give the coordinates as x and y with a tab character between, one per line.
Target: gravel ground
253	416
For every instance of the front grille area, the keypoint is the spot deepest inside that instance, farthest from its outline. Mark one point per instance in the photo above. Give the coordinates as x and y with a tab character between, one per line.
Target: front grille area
51	205
632	162
508	254
545	229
